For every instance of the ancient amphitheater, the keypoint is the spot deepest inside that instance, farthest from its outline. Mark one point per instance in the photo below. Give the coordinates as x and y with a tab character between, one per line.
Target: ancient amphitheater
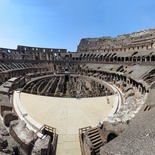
96	101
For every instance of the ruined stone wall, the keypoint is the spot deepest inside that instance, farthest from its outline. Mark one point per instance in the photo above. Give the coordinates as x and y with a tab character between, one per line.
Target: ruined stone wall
128	42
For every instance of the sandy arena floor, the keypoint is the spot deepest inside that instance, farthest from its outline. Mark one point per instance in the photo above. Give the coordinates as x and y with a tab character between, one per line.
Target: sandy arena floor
67	115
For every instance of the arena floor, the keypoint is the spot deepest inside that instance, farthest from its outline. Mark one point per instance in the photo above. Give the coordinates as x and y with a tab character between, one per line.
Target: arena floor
67	115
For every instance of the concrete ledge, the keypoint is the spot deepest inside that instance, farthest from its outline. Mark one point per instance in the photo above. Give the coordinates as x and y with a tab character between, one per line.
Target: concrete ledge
32	124
17	105
115	106
22	114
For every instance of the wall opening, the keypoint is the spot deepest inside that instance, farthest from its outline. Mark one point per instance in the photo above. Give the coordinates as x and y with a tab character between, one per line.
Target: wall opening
111	136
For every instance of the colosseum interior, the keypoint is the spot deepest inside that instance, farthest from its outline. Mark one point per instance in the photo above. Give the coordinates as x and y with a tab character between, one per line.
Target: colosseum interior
98	100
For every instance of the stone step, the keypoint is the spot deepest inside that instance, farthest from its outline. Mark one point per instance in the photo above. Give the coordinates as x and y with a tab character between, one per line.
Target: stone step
95	137
97	143
97	148
95	140
92	130
98	153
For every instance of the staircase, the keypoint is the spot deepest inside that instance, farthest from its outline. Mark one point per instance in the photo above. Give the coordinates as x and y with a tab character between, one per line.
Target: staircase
96	140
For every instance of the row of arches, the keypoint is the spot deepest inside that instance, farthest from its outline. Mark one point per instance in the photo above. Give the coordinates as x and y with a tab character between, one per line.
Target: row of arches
113	77
133	57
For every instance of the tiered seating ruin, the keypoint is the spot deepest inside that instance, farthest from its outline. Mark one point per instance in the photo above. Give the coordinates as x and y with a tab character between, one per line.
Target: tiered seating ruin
126	62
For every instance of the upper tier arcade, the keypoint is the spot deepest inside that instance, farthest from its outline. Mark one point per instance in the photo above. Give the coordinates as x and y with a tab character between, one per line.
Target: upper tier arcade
128	42
31	53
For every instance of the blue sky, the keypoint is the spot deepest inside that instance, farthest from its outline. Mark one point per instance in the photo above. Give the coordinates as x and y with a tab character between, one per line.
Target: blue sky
62	23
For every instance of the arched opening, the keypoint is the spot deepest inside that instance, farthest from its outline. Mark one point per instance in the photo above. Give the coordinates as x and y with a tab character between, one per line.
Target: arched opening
134	59
101	58
143	58
107	59
111	59
153	58
111	136
87	56
37	57
118	59
91	56
6	79
84	57
138	58
148	58
115	58
126	59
